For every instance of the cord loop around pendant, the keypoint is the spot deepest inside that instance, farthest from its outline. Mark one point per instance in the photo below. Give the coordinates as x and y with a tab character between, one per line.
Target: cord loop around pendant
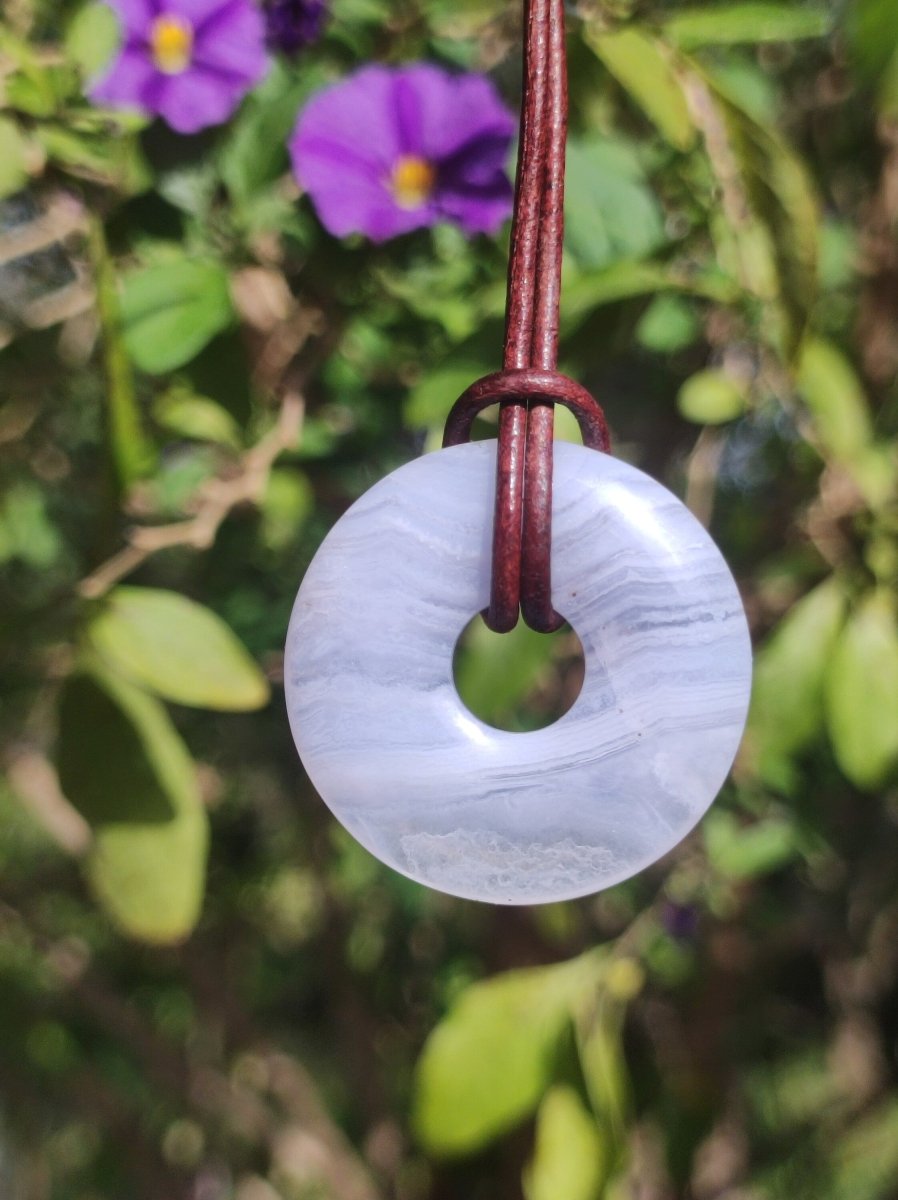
522	533
532	386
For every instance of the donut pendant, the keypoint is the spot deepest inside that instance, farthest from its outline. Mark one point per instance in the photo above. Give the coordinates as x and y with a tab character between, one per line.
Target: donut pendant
517	818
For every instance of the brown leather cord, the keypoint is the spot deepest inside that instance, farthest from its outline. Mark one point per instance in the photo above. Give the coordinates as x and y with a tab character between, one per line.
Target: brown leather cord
529	385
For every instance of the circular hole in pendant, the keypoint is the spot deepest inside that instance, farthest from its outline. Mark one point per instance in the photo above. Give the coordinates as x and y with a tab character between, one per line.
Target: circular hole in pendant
517	681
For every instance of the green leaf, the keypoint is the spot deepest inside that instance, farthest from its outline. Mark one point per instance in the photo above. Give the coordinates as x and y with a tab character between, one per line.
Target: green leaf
26	531
861	692
254	153
31	95
177	648
865	1157
711	397
841	415
728	24
91	37
599	1023
124	767
781	198
610	212
172	309
13	150
749	86
498	674
98	156
641	67
833	393
431	398
182	412
669	324
132	453
741	851
787	693
873	37
583	293
286	505
768	224
487	1064
570	1157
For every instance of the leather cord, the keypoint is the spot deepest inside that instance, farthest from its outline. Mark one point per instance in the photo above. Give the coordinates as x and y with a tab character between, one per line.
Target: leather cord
529	385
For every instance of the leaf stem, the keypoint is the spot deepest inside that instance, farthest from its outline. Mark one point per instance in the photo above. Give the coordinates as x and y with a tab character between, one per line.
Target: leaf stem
131	453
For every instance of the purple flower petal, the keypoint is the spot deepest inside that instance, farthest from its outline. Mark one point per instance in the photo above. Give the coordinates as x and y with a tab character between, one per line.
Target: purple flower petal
476	163
128	82
439	112
356	117
232	40
352	196
197	12
481	211
195	99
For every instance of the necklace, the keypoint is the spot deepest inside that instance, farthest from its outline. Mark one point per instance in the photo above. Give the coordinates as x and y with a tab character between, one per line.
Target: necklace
574	534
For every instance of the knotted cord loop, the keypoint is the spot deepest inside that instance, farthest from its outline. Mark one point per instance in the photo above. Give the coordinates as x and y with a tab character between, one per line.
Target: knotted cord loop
529	386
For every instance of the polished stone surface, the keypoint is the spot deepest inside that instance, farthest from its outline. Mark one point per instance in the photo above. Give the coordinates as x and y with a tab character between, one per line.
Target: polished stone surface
517	818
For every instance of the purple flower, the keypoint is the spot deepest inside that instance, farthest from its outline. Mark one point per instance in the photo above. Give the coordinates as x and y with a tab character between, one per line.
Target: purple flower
187	61
294	24
680	920
388	150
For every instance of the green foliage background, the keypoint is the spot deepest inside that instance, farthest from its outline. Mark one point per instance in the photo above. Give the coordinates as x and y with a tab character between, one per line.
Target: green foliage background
207	990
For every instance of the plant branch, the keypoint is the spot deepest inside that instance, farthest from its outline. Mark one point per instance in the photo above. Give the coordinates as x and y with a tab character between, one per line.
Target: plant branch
217	499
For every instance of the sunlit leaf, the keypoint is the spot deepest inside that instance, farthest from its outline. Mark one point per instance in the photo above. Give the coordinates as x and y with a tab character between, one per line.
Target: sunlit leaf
874	46
668	324
741	851
287	502
171	310
861	692
487	1064
584	292
711	397
432	396
197	417
124	767
91	37
865	1158
725	24
94	155
26	531
132	452
610	212
833	393
570	1155
787	692
599	1031
13	151
842	419
778	189
641	67
766	227
177	648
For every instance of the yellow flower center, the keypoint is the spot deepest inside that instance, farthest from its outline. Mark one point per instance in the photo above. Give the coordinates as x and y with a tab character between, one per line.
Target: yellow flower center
412	181
171	41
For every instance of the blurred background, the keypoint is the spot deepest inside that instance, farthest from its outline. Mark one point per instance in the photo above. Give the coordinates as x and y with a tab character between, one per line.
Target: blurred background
207	990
